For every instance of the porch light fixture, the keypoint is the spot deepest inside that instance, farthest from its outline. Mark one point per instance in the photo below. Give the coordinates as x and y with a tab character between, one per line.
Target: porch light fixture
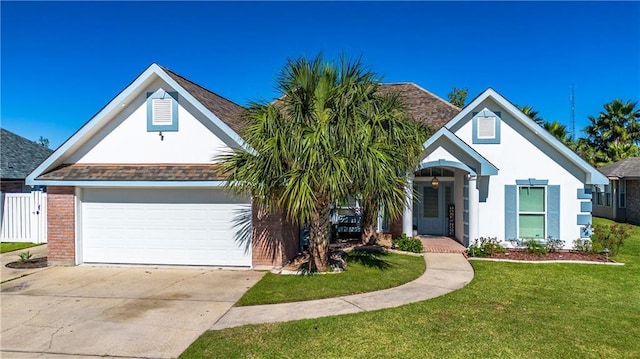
435	182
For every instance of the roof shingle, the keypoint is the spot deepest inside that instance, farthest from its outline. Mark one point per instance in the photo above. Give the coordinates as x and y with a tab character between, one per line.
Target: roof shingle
227	111
424	106
19	156
629	167
134	172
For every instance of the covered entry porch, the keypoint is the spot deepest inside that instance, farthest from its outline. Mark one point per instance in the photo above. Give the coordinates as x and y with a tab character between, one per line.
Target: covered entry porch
444	192
441	201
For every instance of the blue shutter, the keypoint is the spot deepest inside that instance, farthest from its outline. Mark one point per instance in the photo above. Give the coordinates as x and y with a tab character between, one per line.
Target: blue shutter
510	212
553	212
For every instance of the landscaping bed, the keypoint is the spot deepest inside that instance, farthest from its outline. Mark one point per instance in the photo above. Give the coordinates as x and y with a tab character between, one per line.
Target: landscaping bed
40	262
522	255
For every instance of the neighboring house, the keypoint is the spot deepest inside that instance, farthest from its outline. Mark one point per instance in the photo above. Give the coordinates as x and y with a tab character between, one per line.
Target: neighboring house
138	183
18	157
22	207
619	199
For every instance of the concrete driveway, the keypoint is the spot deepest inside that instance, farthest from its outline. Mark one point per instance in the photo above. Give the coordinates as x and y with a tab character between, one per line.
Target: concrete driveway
130	312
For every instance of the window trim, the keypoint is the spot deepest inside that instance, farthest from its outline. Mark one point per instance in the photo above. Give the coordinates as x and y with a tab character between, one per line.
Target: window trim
162	94
607	195
622	193
544	212
476	139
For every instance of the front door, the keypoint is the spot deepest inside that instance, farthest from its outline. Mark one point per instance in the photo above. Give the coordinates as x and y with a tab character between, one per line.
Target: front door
430	207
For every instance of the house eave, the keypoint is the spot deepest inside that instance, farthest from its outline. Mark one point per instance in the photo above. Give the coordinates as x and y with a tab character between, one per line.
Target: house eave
130	184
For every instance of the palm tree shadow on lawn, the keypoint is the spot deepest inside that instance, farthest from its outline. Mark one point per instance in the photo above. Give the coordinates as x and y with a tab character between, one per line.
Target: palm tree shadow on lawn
367	256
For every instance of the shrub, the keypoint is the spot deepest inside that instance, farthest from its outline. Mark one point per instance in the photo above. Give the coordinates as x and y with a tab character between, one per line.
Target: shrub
554	245
408	244
534	247
609	238
485	246
582	245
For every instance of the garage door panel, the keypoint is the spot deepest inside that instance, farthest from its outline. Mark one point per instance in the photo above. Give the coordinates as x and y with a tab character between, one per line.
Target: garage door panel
162	227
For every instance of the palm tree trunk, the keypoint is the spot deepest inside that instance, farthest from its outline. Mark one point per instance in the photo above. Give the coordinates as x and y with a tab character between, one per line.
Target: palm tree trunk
369	223
319	236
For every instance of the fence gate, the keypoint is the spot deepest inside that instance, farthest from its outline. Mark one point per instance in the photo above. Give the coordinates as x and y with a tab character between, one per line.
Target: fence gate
24	217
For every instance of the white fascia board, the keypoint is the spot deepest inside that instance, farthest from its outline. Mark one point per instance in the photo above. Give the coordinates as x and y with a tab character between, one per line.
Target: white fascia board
136	184
486	168
210	115
593	175
115	104
87	127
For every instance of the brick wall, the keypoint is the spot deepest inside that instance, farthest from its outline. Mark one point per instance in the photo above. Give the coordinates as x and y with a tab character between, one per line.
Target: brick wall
396	228
61	225
633	201
275	240
12	186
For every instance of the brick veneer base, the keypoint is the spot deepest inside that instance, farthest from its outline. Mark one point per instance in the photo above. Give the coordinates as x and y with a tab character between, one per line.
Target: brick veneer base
61	245
275	240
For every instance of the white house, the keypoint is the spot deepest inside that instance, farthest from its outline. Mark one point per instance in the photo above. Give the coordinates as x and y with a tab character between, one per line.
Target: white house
500	175
138	182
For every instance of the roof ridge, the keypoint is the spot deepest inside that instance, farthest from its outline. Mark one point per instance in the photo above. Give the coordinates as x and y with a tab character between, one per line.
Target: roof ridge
200	86
436	96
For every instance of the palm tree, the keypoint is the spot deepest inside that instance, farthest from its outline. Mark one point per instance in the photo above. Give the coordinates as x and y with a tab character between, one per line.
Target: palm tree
306	146
558	130
615	131
531	113
391	143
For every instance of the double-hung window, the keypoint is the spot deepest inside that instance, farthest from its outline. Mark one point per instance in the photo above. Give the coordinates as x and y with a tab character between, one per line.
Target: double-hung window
607	195
622	193
531	212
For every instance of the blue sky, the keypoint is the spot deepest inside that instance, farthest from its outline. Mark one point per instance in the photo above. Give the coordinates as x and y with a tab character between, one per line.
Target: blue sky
62	61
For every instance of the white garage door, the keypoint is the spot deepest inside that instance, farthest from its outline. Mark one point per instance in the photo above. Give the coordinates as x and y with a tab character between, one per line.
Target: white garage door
165	226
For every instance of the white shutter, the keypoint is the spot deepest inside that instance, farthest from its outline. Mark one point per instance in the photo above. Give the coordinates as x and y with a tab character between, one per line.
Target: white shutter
162	111
486	127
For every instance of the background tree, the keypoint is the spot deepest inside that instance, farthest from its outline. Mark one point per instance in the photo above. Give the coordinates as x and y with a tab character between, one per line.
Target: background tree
458	97
615	133
43	141
531	113
559	131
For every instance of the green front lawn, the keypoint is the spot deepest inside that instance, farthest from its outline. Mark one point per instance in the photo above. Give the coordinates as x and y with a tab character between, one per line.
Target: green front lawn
509	310
366	272
14	246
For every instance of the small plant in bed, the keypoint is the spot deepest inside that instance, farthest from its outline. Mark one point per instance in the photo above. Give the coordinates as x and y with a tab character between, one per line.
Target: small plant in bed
26	261
485	246
407	244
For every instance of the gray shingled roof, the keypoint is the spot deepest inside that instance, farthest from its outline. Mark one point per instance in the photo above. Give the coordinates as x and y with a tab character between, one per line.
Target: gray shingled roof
228	111
627	168
19	156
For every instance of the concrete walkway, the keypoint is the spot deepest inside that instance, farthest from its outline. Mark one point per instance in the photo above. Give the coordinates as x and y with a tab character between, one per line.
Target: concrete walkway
12	273
445	273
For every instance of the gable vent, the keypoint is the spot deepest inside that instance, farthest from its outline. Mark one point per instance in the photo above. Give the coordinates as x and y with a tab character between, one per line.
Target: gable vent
486	127
162	111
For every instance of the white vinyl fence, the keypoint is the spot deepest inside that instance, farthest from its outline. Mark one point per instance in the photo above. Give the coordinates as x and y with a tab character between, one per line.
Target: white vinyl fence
24	217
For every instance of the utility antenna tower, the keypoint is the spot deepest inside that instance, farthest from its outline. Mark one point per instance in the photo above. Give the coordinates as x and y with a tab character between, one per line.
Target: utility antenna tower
573	114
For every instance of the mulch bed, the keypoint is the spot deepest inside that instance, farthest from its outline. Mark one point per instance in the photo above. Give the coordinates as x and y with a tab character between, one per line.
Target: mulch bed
520	255
29	264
